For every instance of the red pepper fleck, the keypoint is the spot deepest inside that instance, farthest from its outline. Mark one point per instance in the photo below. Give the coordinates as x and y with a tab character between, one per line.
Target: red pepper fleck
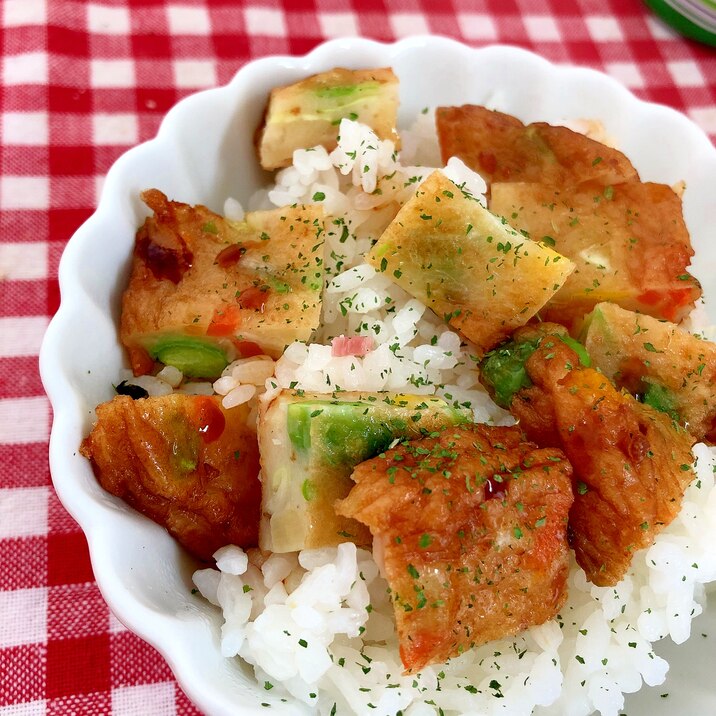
230	255
164	262
210	419
488	161
142	363
494	489
225	321
253	298
650	298
248	349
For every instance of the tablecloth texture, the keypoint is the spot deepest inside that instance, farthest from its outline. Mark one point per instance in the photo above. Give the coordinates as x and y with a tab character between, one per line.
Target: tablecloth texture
83	81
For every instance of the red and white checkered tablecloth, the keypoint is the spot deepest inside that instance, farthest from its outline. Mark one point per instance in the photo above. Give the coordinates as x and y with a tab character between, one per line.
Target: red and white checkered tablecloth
81	82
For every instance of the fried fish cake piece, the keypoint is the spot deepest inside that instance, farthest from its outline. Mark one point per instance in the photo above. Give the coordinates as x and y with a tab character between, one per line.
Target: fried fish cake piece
502	149
203	288
309	112
674	370
628	241
631	463
472	529
485	279
183	461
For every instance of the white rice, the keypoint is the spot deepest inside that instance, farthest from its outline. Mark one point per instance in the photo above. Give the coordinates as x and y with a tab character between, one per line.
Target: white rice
233	210
318	626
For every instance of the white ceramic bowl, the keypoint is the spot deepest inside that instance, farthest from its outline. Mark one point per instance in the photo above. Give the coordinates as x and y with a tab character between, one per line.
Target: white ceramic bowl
203	153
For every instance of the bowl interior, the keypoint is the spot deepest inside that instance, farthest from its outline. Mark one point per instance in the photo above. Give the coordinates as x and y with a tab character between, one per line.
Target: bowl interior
203	154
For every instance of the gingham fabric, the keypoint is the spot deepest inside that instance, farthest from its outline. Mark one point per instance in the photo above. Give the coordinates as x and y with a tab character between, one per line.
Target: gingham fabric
81	82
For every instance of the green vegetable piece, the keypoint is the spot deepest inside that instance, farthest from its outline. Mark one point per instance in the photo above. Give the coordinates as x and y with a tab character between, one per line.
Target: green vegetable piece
503	370
578	348
308	490
662	399
538	142
347	432
299	426
185	464
194	357
594	321
344	91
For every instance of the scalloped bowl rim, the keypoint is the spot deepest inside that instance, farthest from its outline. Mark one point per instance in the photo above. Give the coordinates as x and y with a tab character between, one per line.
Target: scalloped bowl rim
183	638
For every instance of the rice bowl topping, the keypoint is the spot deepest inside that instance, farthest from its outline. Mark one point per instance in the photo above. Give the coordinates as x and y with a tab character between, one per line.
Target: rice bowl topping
317	625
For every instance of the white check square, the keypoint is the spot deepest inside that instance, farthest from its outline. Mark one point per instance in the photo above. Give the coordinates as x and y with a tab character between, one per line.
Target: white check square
627	73
108	20
405	24
338	24
22	335
24	192
25	129
22	261
265	21
111	73
28	708
686	73
705	117
145	699
189	74
188	20
542	28
17	13
477	26
23	512
29	68
25	420
23	616
603	28
115	129
660	30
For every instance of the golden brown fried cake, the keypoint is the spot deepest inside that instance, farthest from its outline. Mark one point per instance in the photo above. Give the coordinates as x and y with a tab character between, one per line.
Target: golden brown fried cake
183	461
629	243
483	277
631	463
471	526
309	112
627	238
502	149
203	288
674	370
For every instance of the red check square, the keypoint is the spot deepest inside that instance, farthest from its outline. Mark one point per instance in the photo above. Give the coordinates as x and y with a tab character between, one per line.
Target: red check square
68	559
78	666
